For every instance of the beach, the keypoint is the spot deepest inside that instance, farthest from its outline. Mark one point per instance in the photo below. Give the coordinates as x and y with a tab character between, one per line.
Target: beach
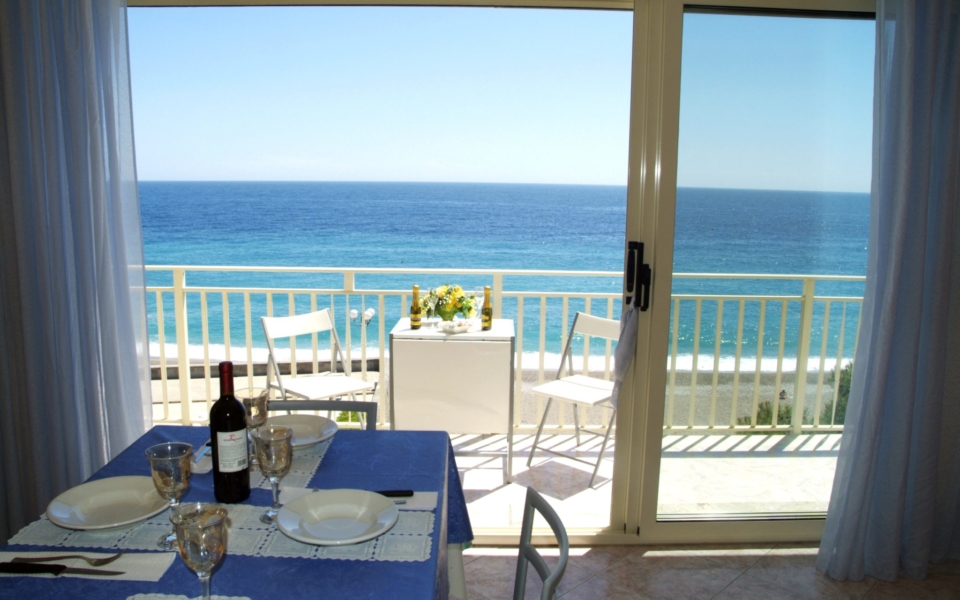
530	406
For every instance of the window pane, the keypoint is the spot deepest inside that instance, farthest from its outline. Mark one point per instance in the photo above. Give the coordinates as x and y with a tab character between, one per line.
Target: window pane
773	204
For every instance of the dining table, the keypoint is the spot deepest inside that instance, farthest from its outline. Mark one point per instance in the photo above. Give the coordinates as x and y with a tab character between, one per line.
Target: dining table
407	562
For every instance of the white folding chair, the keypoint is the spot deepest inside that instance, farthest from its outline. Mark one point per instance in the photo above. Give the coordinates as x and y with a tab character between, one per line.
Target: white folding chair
528	554
579	389
316	386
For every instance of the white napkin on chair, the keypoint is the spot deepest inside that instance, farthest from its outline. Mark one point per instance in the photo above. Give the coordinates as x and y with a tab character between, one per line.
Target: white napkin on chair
625	352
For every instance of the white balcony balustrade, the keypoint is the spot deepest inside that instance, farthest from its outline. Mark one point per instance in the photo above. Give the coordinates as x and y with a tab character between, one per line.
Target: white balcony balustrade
723	375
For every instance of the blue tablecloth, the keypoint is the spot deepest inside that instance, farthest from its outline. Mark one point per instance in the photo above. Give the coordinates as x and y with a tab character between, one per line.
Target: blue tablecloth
371	460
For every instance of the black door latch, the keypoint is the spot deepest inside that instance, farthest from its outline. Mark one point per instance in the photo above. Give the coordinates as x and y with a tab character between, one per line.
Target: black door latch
638	277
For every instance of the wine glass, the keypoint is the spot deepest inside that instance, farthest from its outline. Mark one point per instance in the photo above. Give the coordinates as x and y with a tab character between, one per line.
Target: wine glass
478	301
255	402
275	454
170	469
201	538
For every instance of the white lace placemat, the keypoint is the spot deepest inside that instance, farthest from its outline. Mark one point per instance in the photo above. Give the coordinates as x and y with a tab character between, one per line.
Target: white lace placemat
304	467
410	540
173	597
419	500
136	566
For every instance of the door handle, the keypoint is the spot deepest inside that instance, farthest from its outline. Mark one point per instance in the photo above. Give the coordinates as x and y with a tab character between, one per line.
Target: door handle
645	276
639	276
631	272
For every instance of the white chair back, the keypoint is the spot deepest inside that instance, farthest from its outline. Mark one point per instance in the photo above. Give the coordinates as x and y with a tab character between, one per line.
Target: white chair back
590	325
528	554
307	323
280	327
596	326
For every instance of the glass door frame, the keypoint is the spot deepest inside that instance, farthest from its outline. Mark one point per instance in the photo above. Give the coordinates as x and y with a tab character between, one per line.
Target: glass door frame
651	206
651	211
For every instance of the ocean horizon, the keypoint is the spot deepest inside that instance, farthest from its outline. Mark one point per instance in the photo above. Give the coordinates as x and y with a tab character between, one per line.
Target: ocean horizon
502	226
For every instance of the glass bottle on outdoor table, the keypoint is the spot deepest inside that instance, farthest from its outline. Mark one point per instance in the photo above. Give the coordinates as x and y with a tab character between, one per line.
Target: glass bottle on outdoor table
228	441
486	313
415	311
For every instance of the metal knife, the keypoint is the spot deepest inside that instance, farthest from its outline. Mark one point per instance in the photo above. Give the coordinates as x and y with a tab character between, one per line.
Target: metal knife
201	452
395	493
36	568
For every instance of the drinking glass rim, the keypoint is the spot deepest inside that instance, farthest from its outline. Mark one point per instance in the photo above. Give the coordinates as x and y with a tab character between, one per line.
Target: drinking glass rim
207	507
186	447
262	392
283	431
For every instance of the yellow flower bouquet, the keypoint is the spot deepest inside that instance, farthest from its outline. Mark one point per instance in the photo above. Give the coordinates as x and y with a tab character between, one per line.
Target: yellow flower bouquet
447	301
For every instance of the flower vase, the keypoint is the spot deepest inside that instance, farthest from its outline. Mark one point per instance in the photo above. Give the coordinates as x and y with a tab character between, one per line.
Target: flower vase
447	314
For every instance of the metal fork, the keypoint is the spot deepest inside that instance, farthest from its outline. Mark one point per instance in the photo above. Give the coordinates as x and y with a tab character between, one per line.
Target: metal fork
93	562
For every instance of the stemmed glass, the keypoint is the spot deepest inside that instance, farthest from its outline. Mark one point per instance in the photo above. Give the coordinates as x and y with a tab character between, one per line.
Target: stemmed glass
170	469
201	538
275	454
255	402
478	301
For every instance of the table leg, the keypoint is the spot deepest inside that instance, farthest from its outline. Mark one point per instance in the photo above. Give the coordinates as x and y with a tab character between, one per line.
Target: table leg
513	387
458	579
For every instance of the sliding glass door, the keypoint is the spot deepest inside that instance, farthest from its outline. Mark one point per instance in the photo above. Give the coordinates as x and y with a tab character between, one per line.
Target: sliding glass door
772	213
759	233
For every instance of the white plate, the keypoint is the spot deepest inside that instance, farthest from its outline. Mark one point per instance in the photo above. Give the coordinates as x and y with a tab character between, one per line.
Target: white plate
456	326
337	517
308	430
106	503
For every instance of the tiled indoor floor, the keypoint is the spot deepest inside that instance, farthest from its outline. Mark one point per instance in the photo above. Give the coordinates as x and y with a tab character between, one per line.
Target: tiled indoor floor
774	572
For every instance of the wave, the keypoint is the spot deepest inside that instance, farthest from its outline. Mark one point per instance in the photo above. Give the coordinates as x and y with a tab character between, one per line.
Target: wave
529	361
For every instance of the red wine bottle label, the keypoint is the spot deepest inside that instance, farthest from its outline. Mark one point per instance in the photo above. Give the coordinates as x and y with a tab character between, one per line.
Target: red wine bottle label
232	450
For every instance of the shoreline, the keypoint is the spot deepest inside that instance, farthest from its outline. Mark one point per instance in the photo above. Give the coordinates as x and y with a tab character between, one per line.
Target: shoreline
529	361
530	406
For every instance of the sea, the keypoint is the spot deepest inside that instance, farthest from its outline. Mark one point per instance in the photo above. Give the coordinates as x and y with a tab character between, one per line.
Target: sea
509	226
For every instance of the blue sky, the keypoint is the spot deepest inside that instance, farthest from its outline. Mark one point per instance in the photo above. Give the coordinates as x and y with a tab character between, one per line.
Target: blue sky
776	103
497	95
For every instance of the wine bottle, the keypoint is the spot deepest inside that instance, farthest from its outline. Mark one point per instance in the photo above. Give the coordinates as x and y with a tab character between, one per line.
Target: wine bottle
415	312
228	441
486	313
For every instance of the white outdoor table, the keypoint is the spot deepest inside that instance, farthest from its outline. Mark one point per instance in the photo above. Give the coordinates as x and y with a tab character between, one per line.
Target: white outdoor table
459	383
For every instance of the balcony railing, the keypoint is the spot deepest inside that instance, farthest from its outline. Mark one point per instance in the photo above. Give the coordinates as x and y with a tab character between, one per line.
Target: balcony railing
730	387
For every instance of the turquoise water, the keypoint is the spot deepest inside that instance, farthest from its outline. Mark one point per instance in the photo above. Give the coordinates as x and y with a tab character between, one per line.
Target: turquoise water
498	226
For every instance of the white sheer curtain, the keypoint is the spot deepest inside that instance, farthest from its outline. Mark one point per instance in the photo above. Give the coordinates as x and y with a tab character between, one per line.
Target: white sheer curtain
74	372
896	495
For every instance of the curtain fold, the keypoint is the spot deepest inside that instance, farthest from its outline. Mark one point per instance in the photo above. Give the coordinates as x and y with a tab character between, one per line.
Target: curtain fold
896	493
74	370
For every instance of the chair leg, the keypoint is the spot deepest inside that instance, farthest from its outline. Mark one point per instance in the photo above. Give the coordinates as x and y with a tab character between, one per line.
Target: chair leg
603	447
536	440
576	422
